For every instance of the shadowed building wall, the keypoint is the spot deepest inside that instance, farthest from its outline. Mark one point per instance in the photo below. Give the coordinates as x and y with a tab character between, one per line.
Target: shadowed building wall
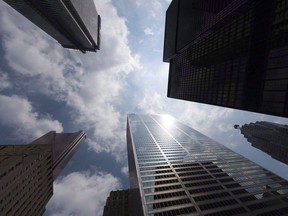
229	53
123	203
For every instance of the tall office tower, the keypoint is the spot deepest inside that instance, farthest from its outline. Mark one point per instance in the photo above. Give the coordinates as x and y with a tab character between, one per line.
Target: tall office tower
75	24
123	203
178	170
229	53
269	137
27	172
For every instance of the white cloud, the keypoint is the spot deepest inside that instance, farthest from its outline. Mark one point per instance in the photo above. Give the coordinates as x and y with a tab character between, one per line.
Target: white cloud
18	113
151	103
154	6
82	193
148	31
89	84
4	81
125	170
210	120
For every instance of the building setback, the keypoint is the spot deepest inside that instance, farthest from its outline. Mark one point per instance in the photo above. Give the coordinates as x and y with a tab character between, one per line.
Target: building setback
27	171
178	170
269	137
75	24
230	53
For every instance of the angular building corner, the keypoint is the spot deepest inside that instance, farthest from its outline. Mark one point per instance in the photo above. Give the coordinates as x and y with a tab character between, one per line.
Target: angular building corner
230	53
178	171
75	24
27	171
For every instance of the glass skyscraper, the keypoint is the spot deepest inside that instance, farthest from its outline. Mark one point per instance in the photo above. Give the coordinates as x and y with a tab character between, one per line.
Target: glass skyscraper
179	171
230	53
271	138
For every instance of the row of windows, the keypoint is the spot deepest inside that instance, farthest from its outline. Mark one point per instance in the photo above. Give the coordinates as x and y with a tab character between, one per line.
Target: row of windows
202	183
148	152
234	211
202	172
218	204
175	212
195	178
149	156
151	164
168	204
167	150
177	155
213	196
174	152
189	169
154	168
163	188
151	160
148	184
205	189
151	198
155	172
155	177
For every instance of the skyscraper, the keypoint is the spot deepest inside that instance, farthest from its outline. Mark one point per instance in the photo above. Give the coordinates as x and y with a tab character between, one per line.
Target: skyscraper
75	24
229	53
178	170
123	203
27	171
269	137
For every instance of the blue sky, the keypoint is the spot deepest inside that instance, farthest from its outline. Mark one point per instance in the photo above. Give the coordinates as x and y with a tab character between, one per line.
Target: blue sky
45	87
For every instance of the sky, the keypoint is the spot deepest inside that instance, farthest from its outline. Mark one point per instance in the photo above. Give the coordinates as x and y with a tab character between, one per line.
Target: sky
45	87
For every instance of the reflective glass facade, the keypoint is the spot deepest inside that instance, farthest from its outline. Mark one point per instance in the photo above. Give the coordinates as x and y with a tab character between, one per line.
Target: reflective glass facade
180	171
233	56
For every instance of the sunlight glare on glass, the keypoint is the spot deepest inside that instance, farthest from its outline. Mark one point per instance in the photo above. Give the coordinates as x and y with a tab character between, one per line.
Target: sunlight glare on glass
167	121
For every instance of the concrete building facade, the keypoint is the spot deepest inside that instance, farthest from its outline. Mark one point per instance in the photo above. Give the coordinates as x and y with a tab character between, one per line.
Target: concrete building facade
27	171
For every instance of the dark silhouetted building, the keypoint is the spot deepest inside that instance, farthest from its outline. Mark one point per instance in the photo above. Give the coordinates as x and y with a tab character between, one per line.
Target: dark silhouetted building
179	171
123	203
269	137
230	53
75	24
27	171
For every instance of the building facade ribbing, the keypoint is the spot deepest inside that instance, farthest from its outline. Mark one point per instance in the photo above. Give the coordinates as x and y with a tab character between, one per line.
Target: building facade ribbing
229	53
269	137
27	171
178	170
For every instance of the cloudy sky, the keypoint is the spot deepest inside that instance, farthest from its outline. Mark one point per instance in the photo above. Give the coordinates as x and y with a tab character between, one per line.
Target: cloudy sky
45	87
